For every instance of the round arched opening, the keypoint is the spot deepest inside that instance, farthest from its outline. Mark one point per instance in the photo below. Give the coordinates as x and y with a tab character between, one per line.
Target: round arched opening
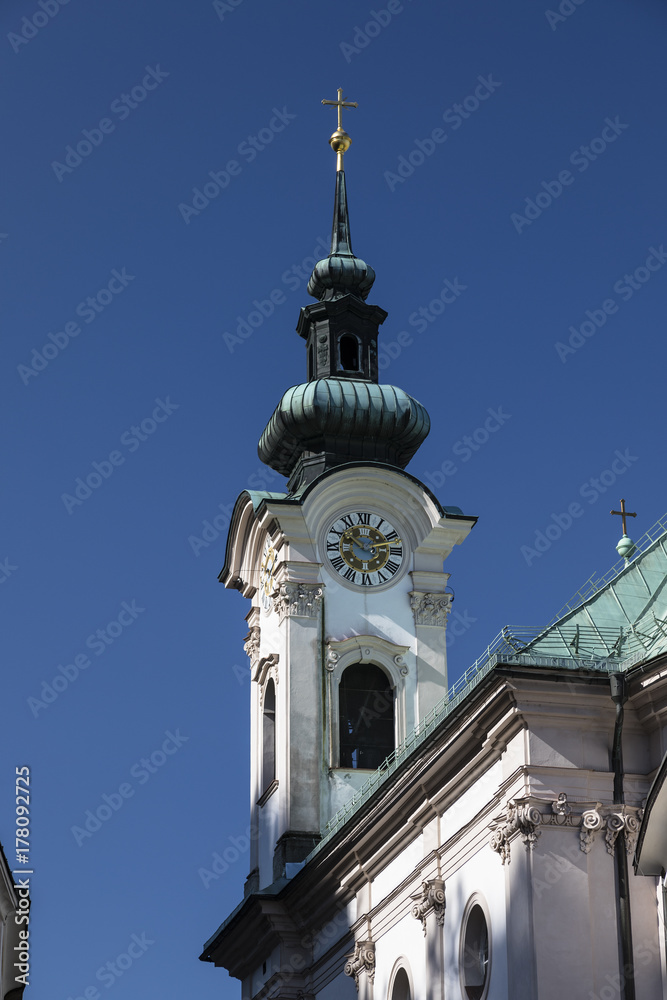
475	953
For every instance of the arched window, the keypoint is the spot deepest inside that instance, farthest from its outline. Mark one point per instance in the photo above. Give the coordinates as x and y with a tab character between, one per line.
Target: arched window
401	989
475	951
366	713
348	347
269	736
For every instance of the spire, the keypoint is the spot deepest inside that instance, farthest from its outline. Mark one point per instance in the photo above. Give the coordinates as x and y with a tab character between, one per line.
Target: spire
341	273
341	414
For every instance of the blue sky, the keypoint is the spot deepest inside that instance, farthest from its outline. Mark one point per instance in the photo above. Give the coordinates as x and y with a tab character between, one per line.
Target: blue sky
509	159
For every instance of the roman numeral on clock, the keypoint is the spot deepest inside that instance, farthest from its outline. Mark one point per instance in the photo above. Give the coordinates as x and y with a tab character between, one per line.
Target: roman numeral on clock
337	563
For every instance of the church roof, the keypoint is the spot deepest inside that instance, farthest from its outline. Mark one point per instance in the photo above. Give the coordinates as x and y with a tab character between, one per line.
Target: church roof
614	623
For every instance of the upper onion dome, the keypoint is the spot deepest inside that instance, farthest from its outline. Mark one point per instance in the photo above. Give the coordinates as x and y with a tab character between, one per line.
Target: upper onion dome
341	273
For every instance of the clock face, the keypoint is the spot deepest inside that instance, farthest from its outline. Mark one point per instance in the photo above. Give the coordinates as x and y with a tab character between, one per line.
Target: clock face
364	549
266	569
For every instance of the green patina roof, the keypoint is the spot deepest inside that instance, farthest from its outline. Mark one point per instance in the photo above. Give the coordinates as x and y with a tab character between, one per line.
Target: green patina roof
353	420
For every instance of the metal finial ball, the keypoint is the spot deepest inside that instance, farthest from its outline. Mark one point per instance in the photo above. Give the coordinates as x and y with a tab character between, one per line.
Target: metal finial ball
340	141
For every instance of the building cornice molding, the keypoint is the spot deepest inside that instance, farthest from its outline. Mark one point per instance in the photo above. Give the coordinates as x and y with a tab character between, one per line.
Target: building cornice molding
527	817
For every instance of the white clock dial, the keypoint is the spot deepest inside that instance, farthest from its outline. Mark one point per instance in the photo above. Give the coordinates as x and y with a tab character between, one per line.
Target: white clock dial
364	548
266	570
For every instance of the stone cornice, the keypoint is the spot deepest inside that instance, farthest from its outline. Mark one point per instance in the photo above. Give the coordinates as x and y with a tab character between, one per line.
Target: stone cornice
527	817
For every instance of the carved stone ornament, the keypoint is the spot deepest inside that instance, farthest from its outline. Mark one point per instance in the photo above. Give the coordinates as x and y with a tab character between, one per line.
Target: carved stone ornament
591	822
362	960
523	819
251	645
300	600
332	658
560	806
431	899
265	668
628	824
430	609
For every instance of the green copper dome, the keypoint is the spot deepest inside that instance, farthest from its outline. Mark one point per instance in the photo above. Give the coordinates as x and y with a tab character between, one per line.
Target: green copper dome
343	420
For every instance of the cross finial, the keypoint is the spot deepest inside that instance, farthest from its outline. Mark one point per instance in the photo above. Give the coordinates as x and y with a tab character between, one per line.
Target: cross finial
340	140
623	513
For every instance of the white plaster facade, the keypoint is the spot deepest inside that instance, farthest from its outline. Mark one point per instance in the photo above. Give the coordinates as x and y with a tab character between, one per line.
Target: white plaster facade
504	810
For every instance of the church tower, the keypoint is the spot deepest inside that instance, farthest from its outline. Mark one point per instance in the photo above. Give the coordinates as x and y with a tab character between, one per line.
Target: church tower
344	570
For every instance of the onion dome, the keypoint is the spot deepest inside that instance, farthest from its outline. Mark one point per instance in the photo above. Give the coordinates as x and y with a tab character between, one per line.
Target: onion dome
341	273
329	422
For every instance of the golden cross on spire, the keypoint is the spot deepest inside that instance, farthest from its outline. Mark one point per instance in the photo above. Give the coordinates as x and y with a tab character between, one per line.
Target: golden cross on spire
340	140
623	513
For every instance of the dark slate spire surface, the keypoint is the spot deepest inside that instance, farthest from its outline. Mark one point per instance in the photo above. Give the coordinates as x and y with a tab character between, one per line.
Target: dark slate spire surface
341	273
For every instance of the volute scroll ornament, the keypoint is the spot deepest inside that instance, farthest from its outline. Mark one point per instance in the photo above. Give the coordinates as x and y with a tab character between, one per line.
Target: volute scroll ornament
522	818
430	609
301	600
362	960
431	899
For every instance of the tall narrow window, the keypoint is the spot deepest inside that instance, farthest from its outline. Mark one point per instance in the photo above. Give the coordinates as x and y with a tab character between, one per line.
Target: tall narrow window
401	988
269	736
348	347
366	713
475	953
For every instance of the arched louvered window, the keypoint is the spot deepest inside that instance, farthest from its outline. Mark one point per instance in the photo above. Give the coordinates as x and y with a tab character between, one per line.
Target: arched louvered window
269	736
366	714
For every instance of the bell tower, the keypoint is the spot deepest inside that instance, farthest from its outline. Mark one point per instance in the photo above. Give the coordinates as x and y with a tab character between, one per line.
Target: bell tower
344	570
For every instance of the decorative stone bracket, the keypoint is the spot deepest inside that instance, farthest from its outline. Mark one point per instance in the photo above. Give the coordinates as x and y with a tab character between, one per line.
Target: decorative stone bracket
430	609
431	899
251	645
301	600
523	818
362	960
